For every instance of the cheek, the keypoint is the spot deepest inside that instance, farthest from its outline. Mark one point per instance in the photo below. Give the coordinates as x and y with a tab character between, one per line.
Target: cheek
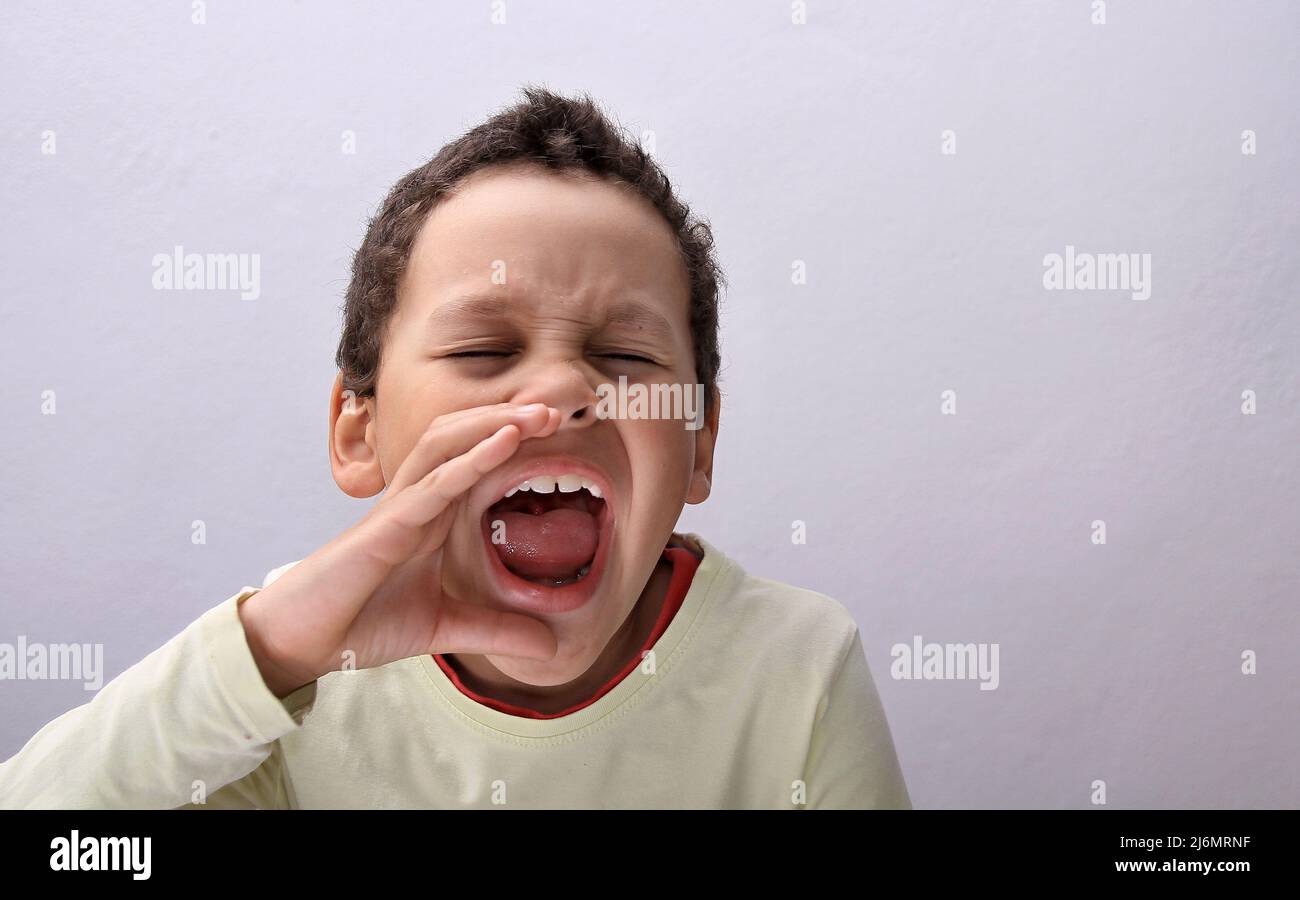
662	455
396	437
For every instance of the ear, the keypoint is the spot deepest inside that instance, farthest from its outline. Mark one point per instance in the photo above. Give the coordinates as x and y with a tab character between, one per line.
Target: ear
351	445
706	438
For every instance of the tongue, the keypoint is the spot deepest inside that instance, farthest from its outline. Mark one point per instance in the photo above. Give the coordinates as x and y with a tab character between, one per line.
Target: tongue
552	545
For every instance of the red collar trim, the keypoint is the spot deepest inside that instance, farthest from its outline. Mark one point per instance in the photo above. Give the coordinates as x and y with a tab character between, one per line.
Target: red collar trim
684	564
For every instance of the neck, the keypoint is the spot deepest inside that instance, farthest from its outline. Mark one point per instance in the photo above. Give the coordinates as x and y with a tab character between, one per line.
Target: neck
479	675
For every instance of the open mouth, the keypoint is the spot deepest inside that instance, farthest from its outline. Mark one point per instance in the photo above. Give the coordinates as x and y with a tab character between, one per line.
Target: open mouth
549	530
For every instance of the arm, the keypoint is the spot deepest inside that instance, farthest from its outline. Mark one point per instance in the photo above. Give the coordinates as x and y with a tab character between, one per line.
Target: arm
194	710
851	759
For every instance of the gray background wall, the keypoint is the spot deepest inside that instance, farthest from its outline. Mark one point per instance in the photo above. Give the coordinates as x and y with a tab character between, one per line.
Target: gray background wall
818	142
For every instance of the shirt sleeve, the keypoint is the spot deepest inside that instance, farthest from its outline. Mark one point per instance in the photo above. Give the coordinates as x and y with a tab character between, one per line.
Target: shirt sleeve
176	728
851	759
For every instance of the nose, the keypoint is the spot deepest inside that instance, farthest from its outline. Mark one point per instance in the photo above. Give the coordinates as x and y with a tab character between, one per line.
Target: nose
564	385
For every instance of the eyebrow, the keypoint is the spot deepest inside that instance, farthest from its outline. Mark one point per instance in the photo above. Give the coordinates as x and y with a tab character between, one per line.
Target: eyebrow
641	317
468	310
475	309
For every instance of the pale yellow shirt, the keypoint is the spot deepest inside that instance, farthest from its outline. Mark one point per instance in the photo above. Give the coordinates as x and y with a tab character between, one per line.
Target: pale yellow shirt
757	696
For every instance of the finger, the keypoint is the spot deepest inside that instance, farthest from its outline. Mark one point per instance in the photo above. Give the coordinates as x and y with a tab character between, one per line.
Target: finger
468	628
450	436
411	510
395	531
444	485
436	532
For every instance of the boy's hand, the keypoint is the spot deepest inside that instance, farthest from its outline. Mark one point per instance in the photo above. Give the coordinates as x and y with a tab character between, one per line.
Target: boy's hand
376	589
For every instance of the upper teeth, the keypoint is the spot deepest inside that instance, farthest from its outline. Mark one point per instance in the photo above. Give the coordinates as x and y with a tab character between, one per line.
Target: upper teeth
546	484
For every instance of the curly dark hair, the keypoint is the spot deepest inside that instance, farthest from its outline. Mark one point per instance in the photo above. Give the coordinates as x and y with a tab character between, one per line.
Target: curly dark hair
546	129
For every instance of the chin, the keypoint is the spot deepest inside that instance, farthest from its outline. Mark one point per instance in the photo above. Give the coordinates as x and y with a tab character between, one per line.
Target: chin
552	673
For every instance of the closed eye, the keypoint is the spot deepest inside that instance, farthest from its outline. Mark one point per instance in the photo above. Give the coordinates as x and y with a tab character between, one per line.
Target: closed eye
630	357
488	354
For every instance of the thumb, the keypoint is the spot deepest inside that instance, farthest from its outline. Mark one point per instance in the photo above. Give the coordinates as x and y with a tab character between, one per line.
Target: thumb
469	628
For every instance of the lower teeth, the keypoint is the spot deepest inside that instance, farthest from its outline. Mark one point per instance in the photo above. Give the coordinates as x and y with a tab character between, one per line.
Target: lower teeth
582	573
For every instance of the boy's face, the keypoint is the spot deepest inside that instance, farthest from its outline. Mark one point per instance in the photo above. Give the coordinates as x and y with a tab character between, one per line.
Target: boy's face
553	282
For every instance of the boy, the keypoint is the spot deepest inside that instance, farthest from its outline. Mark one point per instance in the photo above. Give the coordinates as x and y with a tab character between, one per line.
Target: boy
515	622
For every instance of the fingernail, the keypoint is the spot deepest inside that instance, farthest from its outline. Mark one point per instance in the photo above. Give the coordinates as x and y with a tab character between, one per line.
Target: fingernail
532	407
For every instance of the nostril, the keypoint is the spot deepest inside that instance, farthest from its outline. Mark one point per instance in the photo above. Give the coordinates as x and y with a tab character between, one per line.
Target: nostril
580	413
